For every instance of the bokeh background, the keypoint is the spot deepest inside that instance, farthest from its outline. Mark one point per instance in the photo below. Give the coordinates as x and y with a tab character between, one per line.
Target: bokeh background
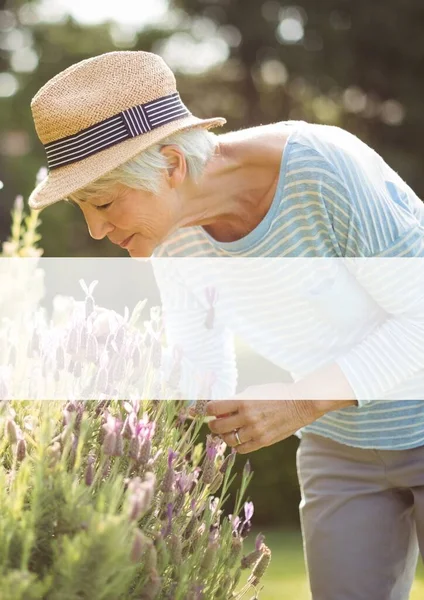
352	63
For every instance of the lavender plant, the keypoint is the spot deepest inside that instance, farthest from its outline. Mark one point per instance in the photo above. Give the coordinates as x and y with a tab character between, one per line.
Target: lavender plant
111	498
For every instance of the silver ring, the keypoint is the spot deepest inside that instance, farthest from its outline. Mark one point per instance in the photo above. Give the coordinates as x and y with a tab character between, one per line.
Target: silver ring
236	433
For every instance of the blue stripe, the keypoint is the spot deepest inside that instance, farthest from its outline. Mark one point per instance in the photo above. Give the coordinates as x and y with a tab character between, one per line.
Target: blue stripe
337	198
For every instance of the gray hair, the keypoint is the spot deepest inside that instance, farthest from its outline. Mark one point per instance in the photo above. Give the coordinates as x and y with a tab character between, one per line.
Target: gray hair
143	171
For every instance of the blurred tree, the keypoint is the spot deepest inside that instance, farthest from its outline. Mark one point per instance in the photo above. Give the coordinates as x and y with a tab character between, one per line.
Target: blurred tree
352	64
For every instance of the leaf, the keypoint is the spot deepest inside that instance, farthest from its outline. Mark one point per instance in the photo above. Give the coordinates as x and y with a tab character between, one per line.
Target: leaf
136	313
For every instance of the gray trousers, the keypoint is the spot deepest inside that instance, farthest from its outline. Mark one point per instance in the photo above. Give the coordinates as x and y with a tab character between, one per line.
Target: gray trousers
362	517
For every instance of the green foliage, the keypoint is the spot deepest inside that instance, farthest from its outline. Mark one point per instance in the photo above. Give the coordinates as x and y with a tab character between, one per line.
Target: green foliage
66	535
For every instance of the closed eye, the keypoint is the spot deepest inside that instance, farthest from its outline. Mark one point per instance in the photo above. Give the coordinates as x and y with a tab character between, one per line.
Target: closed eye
104	206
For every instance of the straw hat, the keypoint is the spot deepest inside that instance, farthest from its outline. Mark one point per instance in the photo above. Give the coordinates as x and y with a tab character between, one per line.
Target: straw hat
101	112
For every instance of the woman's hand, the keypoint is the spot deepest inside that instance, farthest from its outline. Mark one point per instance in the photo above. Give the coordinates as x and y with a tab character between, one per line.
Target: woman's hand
261	422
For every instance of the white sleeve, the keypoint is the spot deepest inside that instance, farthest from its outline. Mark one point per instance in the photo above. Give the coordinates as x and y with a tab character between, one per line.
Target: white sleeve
204	350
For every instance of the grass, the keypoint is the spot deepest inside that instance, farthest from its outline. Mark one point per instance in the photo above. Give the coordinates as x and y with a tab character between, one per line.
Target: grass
286	577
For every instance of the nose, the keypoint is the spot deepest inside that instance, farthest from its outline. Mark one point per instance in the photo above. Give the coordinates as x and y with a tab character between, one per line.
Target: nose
98	226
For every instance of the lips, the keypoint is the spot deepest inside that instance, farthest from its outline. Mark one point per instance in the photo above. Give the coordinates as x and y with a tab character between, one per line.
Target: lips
126	241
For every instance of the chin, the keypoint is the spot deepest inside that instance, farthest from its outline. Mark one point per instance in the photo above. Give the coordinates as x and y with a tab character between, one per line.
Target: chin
137	255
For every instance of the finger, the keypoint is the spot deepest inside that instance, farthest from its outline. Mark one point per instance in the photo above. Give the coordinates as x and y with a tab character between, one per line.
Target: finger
231	440
217	408
250	446
225	424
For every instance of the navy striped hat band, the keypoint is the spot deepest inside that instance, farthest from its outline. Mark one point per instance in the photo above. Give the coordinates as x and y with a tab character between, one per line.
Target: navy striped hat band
125	125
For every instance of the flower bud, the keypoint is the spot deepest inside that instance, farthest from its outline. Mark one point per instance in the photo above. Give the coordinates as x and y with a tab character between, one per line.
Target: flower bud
12	431
250	559
138	546
145	451
179	502
209	470
208	561
228	462
109	444
235	551
134	448
89	474
136	506
20	450
200	408
168	481
152	587
119	445
261	566
247	469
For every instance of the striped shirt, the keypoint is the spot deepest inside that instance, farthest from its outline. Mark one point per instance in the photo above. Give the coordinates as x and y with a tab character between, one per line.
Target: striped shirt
337	199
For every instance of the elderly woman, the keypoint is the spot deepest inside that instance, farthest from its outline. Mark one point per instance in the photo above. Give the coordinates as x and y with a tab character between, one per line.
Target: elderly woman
149	175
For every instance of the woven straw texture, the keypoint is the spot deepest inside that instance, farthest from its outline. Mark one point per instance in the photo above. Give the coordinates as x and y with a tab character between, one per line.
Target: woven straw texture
89	92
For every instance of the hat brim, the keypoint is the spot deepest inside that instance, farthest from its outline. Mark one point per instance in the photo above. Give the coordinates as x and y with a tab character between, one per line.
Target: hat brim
64	181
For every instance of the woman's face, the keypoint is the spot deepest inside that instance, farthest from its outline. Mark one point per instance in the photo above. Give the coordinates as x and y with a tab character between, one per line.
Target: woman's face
133	219
138	220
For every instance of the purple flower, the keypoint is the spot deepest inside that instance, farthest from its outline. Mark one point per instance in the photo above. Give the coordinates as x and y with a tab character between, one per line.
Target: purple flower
214	446
171	456
248	511
113	424
112	444
235	522
211	453
166	530
142	428
185	481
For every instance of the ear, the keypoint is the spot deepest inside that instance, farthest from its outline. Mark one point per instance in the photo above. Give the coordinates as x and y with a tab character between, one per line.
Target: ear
177	167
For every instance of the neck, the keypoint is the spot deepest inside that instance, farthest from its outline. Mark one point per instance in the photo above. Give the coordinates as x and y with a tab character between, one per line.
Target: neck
233	194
